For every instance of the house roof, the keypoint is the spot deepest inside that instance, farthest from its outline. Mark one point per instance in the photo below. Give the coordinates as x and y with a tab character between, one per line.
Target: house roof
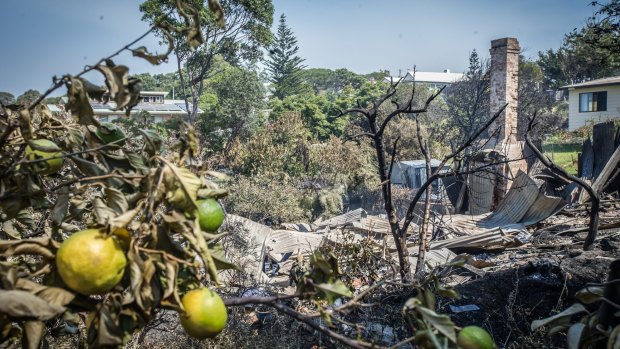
153	93
169	107
419	163
614	80
430	77
441	77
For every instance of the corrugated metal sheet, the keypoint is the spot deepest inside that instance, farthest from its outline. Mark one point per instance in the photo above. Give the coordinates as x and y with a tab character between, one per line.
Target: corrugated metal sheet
516	203
287	241
490	238
481	187
544	206
344	219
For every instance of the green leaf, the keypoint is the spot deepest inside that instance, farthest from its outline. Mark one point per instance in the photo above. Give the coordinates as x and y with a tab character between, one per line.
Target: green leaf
566	314
219	257
590	294
441	323
614	339
334	290
573	337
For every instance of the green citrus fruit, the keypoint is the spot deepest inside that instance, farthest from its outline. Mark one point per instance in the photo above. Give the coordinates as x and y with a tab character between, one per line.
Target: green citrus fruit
474	337
90	263
109	132
43	148
210	214
205	313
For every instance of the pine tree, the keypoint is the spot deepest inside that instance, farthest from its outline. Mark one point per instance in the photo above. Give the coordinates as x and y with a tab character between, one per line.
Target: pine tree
284	65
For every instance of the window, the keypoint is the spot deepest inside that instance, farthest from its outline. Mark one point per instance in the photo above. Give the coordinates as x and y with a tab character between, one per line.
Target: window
593	101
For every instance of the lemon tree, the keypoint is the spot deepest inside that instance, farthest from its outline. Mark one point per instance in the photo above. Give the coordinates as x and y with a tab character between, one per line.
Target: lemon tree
118	235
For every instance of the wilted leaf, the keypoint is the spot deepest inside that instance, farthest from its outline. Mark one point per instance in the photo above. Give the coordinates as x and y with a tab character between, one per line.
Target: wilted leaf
26	306
103	328
191	17
123	220
61	206
212	193
79	104
116	200
33	334
216	8
39	246
88	168
76	138
52	295
25	125
181	187
103	213
9	229
566	314
94	91
590	294
116	79
152	142
155	59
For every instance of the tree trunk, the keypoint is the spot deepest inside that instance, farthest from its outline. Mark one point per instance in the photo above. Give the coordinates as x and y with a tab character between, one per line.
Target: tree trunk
424	233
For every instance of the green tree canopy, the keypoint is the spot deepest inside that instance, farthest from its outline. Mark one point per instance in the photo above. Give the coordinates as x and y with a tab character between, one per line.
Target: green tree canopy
246	32
284	65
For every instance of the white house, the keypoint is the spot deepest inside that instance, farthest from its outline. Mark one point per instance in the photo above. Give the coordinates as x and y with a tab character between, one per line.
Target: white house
593	102
431	79
153	102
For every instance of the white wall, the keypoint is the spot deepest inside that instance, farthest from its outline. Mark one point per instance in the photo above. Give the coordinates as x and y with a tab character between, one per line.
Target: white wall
577	119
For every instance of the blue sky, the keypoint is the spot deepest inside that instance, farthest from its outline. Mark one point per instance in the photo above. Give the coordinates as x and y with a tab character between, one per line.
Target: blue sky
43	38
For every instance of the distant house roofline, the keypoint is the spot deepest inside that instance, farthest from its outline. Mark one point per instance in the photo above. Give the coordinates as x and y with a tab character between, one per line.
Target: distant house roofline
614	80
153	93
445	77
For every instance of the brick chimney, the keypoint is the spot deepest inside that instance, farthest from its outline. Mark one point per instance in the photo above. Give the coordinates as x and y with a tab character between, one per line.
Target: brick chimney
487	190
505	90
504	86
